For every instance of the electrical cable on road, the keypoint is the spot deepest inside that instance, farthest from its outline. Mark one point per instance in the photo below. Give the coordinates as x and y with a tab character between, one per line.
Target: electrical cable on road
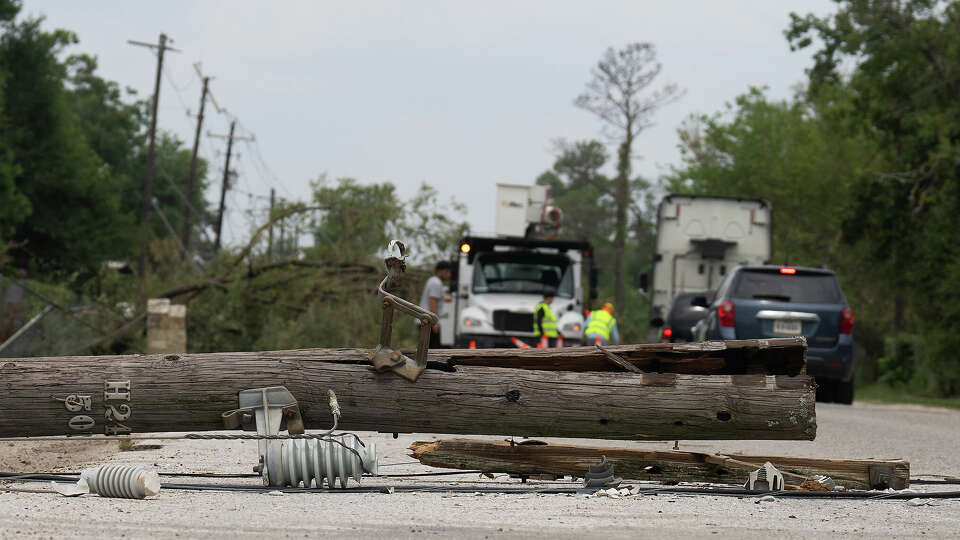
708	491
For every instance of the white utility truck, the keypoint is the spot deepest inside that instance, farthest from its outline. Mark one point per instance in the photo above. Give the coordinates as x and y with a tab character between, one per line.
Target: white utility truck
499	279
699	239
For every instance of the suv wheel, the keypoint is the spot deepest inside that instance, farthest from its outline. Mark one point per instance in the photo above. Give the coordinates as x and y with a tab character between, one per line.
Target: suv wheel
826	389
844	392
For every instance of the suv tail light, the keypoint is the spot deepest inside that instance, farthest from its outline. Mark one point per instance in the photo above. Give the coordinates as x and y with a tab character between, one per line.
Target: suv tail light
725	314
846	321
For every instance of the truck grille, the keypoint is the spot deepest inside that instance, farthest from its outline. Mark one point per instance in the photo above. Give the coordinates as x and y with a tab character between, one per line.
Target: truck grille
507	321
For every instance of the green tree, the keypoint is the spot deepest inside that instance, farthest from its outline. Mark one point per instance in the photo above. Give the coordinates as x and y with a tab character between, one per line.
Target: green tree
803	157
431	229
789	153
116	130
76	218
900	62
619	94
14	206
582	191
355	219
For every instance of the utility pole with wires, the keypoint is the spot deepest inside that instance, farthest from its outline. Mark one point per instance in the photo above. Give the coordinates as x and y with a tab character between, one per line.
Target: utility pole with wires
226	177
191	182
270	220
161	48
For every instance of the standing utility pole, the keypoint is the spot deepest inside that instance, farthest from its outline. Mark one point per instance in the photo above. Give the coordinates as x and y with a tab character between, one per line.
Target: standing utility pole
188	203
151	152
270	221
226	178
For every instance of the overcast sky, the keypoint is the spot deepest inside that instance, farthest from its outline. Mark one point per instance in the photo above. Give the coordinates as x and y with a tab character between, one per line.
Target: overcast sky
460	95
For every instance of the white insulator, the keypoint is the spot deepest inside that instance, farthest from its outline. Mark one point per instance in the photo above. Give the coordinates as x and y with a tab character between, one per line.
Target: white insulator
294	462
123	481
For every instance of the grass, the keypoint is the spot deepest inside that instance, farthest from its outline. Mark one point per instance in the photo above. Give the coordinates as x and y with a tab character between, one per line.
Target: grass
882	393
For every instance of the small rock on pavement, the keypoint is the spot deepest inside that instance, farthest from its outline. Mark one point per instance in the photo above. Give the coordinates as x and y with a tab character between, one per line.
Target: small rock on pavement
766	499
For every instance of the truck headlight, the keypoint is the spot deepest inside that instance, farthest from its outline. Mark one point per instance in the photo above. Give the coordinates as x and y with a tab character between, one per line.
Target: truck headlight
472	323
571	327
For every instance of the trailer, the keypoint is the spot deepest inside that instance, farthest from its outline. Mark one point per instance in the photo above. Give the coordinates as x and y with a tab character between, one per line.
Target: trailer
699	239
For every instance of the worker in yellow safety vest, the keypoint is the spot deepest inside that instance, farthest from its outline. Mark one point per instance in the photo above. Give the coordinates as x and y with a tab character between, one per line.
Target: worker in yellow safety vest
545	321
602	327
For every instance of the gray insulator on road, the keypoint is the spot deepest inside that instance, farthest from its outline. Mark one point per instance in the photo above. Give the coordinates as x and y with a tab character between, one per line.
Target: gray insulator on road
303	461
122	481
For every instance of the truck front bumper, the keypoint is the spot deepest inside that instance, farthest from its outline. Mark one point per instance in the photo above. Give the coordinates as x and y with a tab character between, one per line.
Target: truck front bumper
487	341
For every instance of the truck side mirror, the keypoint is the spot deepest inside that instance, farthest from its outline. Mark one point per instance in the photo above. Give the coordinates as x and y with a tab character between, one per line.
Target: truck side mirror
643	282
593	283
700	301
454	273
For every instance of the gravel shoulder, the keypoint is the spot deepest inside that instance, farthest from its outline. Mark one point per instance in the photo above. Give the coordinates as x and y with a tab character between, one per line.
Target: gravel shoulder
927	438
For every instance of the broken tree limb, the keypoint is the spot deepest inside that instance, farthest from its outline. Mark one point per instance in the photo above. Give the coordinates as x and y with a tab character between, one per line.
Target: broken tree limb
188	392
666	466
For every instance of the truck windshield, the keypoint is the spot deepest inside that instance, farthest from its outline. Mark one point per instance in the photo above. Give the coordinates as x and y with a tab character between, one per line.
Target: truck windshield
523	274
802	288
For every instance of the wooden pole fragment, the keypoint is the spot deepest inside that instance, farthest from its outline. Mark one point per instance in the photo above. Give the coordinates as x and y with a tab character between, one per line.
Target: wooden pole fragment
777	356
166	326
666	466
188	392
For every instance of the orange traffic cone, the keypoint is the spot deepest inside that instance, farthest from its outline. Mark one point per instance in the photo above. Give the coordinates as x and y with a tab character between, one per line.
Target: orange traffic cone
598	341
544	342
473	344
519	344
559	341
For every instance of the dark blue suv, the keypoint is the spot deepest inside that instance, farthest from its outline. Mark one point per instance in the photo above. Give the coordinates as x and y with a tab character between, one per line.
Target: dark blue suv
756	302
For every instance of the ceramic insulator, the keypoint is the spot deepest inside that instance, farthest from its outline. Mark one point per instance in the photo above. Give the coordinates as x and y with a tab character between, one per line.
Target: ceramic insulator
302	461
123	481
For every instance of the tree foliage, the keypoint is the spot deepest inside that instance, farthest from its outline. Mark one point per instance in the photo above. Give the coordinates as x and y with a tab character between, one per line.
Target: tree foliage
71	157
619	93
905	83
586	195
76	218
803	156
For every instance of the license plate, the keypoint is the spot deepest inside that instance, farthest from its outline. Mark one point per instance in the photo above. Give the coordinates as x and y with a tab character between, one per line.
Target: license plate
788	326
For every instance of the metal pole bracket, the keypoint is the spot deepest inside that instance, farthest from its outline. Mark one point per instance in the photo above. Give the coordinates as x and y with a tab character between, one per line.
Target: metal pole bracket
384	358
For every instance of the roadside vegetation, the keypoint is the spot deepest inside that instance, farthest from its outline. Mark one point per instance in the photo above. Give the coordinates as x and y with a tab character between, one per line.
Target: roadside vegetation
861	165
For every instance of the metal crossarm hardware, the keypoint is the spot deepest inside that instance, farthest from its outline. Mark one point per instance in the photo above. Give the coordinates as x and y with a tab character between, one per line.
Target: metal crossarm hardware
297	458
384	358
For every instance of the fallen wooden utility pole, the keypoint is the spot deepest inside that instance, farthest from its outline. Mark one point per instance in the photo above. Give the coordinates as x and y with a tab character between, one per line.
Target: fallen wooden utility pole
188	392
665	466
778	356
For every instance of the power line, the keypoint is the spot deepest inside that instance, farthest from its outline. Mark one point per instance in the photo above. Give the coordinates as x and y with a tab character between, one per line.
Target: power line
173	184
191	183
226	178
161	47
183	88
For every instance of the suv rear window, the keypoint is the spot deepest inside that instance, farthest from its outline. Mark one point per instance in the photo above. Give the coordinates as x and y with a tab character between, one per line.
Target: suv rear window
802	288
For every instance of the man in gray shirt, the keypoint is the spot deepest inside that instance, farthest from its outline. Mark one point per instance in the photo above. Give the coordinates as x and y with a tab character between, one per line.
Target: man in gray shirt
433	296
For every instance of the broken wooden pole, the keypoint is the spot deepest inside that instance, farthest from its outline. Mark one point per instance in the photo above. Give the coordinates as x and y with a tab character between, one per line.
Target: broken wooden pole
665	466
776	356
188	392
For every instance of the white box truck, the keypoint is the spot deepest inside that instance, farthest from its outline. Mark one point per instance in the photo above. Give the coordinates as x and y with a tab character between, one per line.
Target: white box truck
499	279
699	239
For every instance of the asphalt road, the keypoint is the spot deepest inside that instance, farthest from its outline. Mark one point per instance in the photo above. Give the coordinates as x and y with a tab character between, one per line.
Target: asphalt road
928	438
